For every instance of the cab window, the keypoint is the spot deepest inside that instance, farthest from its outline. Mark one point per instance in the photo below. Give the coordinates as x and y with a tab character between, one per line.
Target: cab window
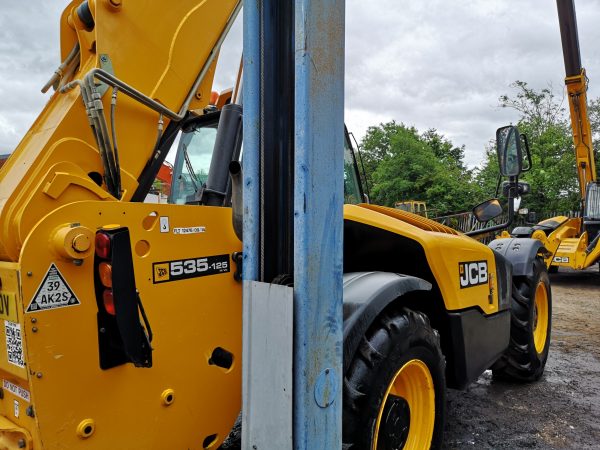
192	162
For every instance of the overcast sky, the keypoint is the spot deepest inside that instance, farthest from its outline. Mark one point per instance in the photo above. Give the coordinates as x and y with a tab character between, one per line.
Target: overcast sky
432	64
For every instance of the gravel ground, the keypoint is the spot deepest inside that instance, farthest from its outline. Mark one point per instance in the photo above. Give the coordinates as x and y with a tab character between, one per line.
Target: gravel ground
562	410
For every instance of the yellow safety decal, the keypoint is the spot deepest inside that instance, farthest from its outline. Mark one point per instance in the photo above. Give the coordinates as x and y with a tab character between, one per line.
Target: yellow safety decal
8	306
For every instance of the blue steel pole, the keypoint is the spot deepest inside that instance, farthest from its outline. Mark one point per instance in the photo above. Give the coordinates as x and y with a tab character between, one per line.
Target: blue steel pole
318	225
251	160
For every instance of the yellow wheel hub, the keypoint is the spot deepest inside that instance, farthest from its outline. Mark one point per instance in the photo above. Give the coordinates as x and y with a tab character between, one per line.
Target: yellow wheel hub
407	413
540	317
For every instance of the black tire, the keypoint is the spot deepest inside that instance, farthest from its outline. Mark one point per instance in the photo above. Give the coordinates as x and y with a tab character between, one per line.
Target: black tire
522	361
394	339
553	269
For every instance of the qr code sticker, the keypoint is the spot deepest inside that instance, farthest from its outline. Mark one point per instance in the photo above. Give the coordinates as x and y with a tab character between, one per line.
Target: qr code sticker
14	343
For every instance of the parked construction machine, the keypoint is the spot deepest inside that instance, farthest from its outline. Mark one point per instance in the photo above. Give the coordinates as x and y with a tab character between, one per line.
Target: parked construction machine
413	206
123	320
573	242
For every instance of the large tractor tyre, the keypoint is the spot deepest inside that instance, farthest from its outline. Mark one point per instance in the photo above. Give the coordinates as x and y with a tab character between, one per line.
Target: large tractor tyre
394	388
530	329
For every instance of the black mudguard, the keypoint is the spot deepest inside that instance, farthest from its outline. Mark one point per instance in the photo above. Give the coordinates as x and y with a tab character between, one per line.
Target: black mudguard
521	252
366	294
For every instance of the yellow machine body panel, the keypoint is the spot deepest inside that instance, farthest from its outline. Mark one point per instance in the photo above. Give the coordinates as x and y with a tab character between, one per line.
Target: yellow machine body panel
447	252
182	401
567	246
160	55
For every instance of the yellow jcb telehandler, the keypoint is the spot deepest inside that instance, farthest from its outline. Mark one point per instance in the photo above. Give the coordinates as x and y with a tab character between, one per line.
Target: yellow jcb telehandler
122	320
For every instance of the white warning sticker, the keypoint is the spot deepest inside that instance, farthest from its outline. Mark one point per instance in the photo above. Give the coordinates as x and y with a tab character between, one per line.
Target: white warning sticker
14	343
54	292
189	230
164	224
16	409
16	390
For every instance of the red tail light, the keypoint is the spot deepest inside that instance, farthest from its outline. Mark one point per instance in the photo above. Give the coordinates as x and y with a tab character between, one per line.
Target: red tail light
103	245
109	302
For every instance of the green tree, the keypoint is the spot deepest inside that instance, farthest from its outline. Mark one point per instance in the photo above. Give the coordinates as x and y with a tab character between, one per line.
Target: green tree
553	175
403	165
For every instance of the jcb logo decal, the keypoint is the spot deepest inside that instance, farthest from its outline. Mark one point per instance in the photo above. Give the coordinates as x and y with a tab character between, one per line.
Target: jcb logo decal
472	273
161	272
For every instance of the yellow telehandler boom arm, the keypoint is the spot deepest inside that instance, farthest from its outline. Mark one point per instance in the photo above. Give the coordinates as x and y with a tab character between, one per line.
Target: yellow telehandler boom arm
128	72
576	82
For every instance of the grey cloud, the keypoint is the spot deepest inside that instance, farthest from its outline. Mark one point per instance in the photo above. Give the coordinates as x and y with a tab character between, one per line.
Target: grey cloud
28	55
431	64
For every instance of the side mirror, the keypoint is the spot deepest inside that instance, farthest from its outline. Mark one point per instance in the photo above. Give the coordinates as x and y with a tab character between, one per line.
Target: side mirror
487	210
508	146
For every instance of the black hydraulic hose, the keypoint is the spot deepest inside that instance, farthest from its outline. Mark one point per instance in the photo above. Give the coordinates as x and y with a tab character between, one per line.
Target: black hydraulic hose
113	106
96	109
105	139
85	95
592	245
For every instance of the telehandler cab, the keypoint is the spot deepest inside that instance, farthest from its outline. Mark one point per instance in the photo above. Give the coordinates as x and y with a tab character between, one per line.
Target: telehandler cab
123	320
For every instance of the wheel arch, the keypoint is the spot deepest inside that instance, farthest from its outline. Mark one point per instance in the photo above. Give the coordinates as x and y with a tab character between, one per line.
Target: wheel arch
520	252
366	295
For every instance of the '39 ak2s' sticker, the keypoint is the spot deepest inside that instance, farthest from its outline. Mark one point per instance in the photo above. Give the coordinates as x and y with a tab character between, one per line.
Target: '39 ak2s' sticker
472	273
181	269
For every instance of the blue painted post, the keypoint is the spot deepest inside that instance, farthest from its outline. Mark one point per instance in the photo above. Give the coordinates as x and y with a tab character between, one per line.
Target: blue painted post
251	160
318	226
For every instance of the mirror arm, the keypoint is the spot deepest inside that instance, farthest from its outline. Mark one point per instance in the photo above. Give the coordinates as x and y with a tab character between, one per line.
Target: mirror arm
498	186
526	141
